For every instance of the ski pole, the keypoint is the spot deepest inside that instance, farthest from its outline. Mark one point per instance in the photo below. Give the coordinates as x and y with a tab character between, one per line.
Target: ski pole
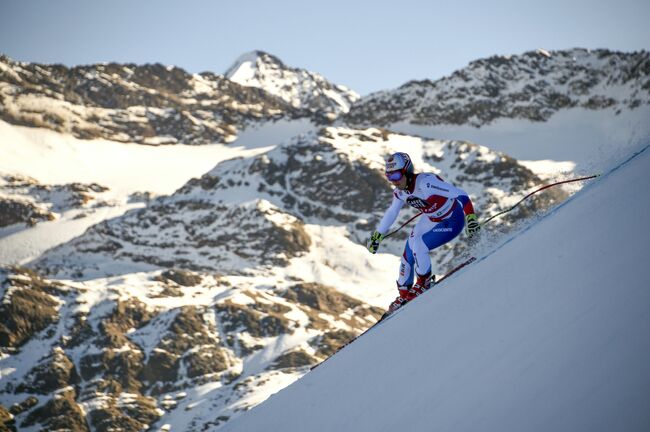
402	226
534	192
507	210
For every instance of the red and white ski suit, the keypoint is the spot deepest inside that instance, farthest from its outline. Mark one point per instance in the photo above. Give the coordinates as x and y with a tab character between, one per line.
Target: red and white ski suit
444	207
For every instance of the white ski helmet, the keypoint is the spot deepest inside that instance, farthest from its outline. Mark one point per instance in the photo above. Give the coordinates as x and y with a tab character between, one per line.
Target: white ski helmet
398	165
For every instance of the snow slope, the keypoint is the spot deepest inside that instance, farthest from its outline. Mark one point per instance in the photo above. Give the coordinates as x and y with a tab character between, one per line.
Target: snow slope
548	332
55	158
585	140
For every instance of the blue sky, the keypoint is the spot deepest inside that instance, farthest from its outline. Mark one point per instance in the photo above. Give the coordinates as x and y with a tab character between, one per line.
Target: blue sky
365	45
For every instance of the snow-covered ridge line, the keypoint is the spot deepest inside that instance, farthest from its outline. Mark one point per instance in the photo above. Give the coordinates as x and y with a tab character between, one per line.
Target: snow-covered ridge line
529	86
148	104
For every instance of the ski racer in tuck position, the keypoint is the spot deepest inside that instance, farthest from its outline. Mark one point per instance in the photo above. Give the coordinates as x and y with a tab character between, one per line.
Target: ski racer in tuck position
446	210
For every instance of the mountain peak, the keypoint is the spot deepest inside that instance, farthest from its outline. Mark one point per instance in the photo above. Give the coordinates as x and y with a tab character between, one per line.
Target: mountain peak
299	87
244	68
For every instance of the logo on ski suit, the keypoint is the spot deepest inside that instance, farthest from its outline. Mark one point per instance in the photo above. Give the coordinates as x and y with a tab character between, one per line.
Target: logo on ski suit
417	203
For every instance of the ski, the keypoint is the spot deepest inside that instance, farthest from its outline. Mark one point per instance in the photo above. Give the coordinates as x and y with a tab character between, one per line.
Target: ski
387	314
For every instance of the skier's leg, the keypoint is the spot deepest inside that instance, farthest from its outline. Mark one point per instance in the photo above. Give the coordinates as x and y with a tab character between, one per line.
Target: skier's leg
418	247
405	278
425	236
445	231
428	235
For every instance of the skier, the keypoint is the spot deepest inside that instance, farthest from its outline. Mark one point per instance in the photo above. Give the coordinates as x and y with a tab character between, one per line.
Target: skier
446	210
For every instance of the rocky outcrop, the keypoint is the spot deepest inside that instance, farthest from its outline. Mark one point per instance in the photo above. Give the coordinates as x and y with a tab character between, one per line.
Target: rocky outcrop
13	212
188	344
24	200
27	307
129	413
7	422
54	372
61	412
292	360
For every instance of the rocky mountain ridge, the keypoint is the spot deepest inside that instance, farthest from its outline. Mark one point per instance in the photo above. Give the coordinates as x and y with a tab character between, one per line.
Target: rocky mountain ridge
147	104
531	86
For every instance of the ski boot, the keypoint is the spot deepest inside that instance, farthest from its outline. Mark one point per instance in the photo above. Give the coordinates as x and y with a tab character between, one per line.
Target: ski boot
422	284
408	293
404	297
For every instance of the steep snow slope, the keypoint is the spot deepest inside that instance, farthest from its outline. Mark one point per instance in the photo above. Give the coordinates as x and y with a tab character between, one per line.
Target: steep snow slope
548	332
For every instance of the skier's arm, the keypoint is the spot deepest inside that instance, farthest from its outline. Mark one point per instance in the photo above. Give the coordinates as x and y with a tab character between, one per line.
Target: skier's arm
472	227
390	216
468	207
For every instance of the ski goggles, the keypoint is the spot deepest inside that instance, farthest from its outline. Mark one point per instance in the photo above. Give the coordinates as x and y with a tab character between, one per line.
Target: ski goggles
394	175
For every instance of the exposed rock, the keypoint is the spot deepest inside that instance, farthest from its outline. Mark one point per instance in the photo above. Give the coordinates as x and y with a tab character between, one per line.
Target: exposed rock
23	406
13	211
7	421
25	200
331	341
206	360
54	372
161	366
120	363
122	368
181	277
298	87
26	308
59	413
293	359
80	331
331	177
127	315
148	104
131	413
321	297
235	317
325	299
187	341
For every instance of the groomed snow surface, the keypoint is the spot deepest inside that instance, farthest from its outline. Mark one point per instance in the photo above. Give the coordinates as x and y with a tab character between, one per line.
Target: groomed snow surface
547	333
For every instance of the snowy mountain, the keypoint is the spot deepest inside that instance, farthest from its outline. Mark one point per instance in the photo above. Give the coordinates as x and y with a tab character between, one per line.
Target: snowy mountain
566	105
251	213
547	331
149	104
174	287
258	268
531	86
298	87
